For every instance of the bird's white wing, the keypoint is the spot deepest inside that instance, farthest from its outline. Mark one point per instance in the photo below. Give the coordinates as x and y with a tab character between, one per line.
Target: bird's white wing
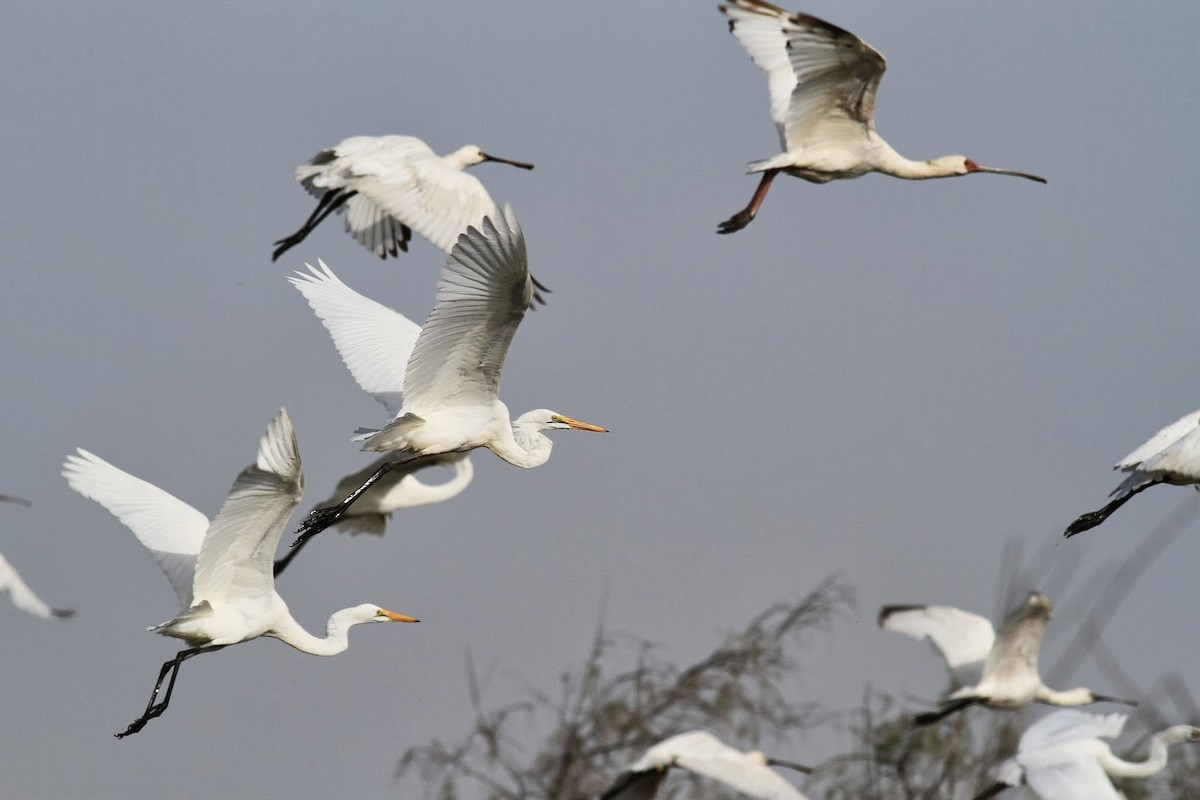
704	754
822	78
482	295
374	228
374	341
22	596
421	191
166	526
964	639
1065	772
1179	460
1068	725
1161	440
239	551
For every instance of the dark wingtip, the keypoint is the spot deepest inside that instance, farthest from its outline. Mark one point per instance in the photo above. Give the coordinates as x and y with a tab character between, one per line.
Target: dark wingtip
63	613
887	611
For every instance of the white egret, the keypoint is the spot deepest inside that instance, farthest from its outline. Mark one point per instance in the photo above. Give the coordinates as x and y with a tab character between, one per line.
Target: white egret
392	185
702	753
221	571
396	490
451	379
822	80
1170	456
18	591
1061	757
998	669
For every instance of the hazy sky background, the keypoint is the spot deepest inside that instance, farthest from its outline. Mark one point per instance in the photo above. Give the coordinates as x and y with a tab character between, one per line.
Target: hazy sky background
877	377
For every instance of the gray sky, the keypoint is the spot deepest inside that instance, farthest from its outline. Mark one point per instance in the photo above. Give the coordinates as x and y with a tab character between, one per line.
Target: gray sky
878	377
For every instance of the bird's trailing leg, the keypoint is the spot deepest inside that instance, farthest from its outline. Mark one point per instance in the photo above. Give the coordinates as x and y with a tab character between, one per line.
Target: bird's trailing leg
934	717
779	762
154	709
321	518
331	201
743	217
1093	518
993	790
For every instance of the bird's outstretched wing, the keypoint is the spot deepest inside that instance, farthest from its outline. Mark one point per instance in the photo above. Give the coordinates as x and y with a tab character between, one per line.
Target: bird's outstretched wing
964	639
374	341
1160	441
166	526
822	78
1069	776
1067	725
239	551
482	295
23	597
704	754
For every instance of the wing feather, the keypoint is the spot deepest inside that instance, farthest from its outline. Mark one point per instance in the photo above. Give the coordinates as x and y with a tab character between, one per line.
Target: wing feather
22	596
964	639
704	754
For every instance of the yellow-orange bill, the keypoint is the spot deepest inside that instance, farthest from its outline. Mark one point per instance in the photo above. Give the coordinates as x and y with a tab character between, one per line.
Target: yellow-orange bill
394	617
583	426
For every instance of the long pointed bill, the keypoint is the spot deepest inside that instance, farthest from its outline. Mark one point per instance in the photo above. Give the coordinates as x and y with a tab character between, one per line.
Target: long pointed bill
575	424
973	167
519	164
1103	698
394	617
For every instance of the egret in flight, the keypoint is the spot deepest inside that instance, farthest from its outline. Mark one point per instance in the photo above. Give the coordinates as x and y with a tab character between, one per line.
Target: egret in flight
1061	757
18	591
220	570
390	186
702	753
1170	456
998	669
451	373
822	80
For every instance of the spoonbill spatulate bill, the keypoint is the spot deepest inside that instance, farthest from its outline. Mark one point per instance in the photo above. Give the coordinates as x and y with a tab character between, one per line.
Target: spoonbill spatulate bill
390	186
1062	757
997	669
451	373
822	81
700	752
1170	456
221	571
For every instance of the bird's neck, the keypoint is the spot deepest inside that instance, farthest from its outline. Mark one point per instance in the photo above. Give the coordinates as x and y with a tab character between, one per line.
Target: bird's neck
418	493
889	162
524	446
1120	768
335	640
1068	697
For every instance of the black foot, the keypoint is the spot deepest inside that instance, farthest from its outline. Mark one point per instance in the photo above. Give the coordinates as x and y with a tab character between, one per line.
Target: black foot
134	727
318	520
736	222
1085	523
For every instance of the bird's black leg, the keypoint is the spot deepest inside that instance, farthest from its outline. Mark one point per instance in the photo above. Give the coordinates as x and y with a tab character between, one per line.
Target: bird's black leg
331	201
154	709
779	762
993	790
1093	518
933	717
321	518
743	217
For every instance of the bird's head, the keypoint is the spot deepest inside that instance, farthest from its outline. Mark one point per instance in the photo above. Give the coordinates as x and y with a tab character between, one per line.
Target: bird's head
1181	733
368	612
544	419
470	155
964	166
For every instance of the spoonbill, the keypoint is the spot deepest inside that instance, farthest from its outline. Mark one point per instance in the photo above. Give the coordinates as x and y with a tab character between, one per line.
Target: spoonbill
702	753
18	591
221	570
451	374
1170	456
822	80
1061	757
393	185
997	669
396	490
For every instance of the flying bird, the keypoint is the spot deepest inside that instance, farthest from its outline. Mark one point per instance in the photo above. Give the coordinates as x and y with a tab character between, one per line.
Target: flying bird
998	669
702	753
390	186
1062	757
221	570
1170	456
18	591
822	80
396	490
450	373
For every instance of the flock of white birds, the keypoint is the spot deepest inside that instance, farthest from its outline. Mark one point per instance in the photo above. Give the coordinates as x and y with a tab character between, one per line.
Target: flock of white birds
439	384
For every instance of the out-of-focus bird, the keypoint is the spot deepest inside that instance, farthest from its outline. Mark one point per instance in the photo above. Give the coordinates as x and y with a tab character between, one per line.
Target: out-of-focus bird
822	81
1170	456
18	591
220	571
390	186
451	374
998	669
1062	757
702	753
